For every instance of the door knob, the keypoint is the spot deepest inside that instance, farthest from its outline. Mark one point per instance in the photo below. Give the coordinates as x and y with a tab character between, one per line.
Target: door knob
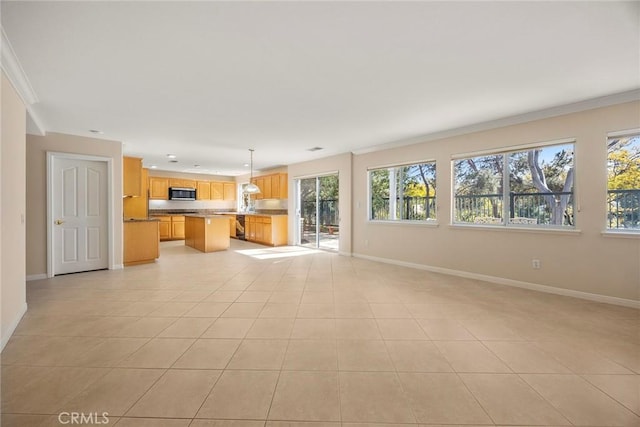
58	222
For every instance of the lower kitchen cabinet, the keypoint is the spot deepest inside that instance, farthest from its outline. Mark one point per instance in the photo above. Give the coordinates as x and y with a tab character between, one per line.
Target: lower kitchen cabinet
171	227
177	227
267	229
165	227
141	241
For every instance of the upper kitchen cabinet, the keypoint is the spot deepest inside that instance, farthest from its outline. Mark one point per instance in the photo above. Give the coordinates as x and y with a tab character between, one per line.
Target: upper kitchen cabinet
182	183
229	190
158	188
132	176
203	190
217	190
266	187
272	186
136	207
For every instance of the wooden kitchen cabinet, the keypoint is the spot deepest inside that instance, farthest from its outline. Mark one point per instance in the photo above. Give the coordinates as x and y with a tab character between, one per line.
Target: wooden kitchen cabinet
267	229
203	190
141	242
182	183
177	227
171	227
267	233
207	233
275	187
137	207
158	188
272	186
260	184
165	227
217	190
259	234
229	191
132	176
266	187
282	185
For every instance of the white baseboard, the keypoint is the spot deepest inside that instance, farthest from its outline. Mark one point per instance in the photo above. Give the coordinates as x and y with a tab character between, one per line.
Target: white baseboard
36	277
117	267
12	327
509	282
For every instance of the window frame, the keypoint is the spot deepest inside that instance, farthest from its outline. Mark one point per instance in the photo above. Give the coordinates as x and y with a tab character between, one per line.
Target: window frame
505	152
419	222
625	232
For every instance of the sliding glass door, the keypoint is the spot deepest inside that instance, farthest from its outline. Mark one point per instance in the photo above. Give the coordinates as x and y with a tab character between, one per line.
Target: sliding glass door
318	217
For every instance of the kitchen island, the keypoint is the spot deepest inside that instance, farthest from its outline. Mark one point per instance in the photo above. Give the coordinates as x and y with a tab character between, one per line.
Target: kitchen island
206	233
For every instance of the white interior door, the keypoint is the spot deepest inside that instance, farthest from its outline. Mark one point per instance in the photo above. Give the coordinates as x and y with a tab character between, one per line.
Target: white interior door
80	215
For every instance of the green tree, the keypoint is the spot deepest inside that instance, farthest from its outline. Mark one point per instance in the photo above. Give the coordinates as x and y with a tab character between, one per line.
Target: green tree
624	163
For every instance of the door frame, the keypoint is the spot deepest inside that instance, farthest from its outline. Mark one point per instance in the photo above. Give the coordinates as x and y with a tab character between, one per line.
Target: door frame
298	207
52	156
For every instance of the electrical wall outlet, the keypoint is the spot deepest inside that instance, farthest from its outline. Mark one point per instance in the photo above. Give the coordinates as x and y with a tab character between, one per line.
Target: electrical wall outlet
535	263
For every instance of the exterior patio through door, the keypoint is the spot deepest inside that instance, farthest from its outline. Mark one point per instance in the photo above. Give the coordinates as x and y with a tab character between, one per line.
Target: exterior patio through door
318	224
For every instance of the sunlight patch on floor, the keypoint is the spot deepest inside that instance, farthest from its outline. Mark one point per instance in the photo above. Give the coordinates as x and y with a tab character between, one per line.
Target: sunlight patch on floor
280	252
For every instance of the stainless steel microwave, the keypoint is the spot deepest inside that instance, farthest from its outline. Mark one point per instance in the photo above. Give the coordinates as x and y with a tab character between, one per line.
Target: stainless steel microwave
180	193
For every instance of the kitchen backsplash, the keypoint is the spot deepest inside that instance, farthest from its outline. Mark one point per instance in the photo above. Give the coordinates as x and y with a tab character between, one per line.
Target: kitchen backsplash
271	204
228	205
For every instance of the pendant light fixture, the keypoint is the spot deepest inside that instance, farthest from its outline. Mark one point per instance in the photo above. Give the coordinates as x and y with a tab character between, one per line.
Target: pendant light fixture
251	188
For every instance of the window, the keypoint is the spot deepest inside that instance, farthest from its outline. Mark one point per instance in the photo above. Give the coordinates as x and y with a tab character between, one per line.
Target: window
403	193
623	183
529	187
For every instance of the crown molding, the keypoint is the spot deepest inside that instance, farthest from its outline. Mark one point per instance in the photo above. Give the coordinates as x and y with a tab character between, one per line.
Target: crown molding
34	123
576	107
15	73
20	82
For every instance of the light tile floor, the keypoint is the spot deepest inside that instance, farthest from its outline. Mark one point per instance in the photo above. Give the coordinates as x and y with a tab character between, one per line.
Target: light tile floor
276	337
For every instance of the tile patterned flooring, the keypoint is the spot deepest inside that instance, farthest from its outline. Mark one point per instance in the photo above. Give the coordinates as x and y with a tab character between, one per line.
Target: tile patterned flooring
280	337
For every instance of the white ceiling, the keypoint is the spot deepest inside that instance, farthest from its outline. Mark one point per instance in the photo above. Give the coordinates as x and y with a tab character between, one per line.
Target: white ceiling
208	80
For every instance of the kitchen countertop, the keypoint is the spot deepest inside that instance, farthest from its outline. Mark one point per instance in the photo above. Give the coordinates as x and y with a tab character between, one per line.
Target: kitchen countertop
205	216
139	219
251	214
152	213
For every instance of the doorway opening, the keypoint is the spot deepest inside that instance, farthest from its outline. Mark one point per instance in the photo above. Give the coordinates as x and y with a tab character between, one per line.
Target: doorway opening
317	212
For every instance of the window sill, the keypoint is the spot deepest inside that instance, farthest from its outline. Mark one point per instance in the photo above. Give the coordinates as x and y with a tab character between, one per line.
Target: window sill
519	229
404	222
622	234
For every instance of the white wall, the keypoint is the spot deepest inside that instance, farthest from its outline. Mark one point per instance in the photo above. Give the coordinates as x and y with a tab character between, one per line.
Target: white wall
12	227
37	148
584	261
341	164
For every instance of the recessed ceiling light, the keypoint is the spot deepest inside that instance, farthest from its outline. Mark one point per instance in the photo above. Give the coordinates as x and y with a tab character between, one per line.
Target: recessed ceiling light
99	132
153	166
246	165
171	156
315	149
